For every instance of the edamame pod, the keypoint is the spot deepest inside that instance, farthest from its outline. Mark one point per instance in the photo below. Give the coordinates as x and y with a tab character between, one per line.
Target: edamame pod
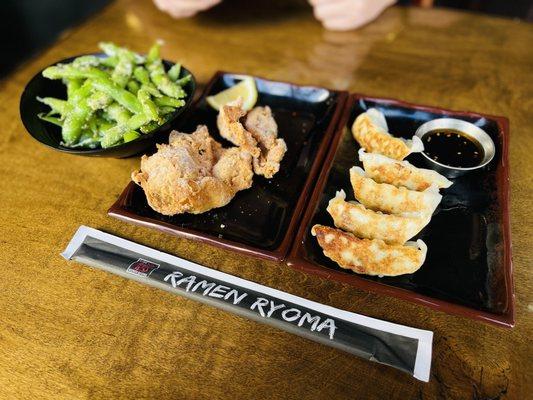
121	96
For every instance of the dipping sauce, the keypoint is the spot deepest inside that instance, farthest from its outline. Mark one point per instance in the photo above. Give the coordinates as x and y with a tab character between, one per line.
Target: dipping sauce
453	148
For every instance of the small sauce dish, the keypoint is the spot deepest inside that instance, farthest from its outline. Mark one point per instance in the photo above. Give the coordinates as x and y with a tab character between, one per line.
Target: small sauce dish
454	147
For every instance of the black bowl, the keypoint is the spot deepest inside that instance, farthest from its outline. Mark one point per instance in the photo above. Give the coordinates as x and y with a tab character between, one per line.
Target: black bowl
50	134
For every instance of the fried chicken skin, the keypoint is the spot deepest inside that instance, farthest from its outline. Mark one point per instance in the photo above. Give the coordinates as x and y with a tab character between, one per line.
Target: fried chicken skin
258	135
193	174
262	125
234	168
230	127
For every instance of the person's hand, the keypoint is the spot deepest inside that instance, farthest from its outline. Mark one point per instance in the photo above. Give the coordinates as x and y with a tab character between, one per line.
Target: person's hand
184	8
342	15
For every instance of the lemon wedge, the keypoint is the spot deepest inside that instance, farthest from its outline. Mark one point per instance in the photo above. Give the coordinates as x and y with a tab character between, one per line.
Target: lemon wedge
245	89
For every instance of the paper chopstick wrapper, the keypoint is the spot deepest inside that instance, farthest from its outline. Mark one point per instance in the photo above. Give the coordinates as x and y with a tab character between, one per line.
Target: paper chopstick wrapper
399	346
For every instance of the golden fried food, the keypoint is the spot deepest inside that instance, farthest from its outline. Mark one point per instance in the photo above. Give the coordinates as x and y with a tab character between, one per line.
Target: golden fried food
371	132
368	224
370	257
262	125
234	168
230	127
193	174
391	199
400	173
268	162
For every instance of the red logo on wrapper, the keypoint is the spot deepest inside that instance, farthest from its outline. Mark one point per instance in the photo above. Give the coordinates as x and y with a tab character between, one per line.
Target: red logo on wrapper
142	267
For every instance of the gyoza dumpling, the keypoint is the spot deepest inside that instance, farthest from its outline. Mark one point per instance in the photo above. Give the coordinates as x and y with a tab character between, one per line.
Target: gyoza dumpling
372	133
364	223
400	173
391	199
370	257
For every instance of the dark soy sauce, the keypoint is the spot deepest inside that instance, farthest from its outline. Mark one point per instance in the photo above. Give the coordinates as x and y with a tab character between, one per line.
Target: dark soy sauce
453	148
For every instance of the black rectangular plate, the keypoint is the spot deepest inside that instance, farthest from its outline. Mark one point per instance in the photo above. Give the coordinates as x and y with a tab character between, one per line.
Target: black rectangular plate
468	264
261	220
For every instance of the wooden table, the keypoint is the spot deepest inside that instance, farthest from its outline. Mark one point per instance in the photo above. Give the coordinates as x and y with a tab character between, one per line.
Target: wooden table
68	331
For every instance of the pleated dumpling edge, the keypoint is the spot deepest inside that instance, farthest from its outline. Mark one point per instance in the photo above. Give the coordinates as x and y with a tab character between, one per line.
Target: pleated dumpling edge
370	130
400	173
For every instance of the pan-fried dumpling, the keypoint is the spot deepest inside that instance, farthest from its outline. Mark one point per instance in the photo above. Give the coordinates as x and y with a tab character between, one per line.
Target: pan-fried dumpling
372	133
364	223
391	199
400	173
370	257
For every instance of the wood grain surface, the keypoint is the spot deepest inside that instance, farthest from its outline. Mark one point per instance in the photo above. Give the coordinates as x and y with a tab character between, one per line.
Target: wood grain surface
71	332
